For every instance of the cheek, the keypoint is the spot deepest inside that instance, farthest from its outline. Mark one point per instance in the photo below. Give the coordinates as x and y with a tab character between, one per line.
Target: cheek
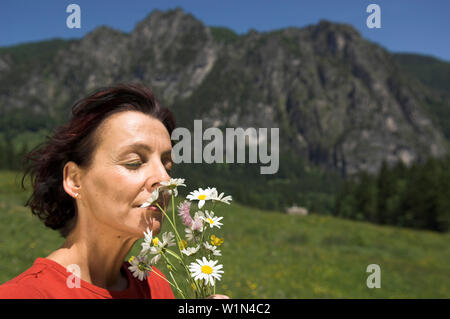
114	188
112	194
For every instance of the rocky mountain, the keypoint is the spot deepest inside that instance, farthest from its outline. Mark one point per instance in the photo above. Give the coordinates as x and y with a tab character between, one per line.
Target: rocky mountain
341	102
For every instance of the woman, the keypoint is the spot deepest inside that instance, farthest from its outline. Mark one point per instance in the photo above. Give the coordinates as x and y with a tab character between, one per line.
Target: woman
88	182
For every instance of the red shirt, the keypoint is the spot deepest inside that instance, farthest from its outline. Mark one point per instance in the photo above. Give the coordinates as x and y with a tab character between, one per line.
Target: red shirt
47	279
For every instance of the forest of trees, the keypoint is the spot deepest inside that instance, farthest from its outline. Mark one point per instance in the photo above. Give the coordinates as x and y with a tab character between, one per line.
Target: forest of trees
417	196
11	158
296	183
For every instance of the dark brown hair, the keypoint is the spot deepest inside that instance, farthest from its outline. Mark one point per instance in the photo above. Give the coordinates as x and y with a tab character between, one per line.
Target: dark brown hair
75	141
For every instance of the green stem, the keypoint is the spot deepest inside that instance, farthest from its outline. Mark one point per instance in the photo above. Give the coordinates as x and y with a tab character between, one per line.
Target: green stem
176	284
203	234
168	261
173	210
178	240
171	224
188	273
174	255
170	283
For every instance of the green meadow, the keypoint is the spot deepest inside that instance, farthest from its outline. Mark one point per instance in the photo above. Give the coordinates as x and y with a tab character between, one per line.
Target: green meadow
268	254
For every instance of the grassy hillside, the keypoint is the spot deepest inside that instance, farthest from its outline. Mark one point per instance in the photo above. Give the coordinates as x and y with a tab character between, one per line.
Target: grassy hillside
272	255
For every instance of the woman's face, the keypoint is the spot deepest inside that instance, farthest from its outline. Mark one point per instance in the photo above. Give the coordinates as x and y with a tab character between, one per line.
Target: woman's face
132	157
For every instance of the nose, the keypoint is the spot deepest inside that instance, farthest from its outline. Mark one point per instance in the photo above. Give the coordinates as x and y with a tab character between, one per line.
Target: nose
157	174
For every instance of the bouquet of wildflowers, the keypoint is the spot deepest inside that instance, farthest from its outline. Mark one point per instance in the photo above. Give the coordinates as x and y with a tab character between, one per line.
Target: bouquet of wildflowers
196	253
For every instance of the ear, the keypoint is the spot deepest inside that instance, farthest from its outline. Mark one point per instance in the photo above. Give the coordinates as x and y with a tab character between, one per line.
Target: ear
72	179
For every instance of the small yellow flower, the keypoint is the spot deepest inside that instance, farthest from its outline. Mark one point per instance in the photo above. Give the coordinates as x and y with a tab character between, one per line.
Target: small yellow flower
213	221
131	259
182	244
251	285
216	241
155	241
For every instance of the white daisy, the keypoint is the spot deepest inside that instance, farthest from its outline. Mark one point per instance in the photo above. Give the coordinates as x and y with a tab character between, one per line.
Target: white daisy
220	198
168	239
212	190
212	220
213	249
148	237
153	198
172	185
202	195
206	269
190	234
139	267
155	259
190	250
158	246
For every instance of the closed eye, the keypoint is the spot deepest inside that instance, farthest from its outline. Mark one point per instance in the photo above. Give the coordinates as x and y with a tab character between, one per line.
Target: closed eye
134	165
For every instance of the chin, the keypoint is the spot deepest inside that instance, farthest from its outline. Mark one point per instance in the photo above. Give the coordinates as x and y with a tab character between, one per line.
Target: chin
155	227
151	221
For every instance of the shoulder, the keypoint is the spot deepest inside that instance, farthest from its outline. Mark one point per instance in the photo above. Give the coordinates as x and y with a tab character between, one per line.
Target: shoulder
19	291
26	285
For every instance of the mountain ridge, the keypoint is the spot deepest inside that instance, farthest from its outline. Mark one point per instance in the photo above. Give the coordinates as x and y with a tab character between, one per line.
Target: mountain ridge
341	101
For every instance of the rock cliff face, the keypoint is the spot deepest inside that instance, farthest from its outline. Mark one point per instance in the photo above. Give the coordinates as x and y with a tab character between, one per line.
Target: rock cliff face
339	100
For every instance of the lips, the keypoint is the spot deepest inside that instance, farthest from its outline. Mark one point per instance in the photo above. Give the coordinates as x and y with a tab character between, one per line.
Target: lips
160	203
161	200
152	207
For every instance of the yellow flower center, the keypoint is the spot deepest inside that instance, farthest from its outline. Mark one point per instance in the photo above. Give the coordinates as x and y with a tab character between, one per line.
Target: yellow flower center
210	220
201	197
155	241
207	270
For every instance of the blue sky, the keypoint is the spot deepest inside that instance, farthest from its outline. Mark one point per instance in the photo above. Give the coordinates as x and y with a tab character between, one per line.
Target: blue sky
418	26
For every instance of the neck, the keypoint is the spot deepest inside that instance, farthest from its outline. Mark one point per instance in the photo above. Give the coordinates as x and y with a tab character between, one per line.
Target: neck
99	252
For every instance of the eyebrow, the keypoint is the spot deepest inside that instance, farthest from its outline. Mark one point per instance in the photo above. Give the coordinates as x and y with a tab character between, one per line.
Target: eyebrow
140	146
